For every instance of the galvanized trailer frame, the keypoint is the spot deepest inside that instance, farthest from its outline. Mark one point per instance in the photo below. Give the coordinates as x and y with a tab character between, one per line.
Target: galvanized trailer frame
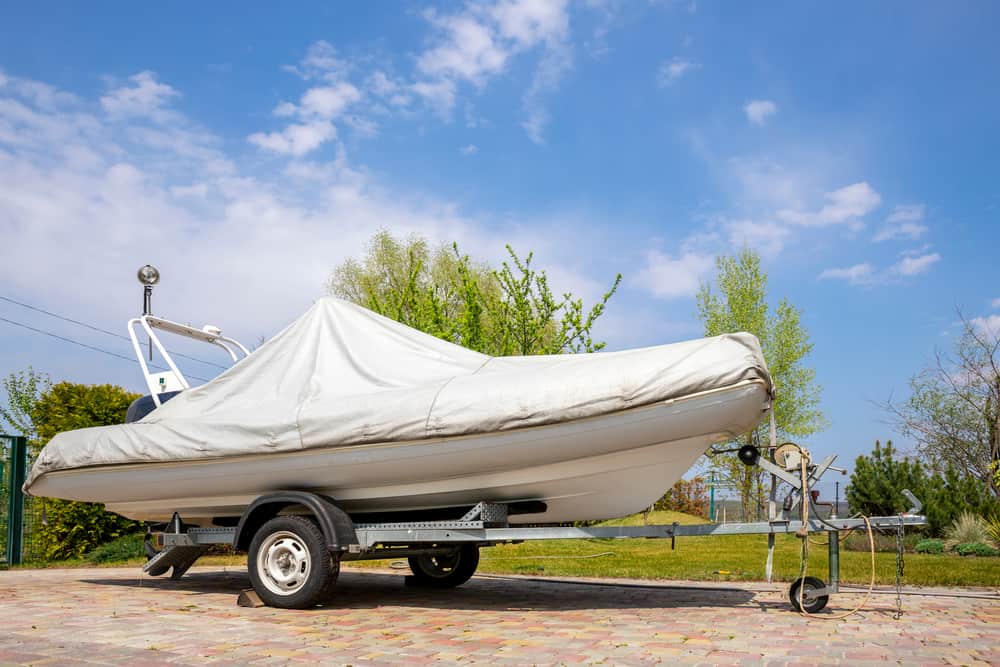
486	525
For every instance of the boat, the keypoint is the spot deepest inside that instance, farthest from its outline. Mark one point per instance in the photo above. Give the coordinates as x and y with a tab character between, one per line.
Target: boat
389	421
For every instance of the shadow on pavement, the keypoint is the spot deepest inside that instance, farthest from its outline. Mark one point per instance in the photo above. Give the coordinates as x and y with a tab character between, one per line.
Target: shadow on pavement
365	590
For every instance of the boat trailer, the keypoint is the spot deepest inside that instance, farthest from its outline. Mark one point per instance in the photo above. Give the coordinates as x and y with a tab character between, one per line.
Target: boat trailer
296	541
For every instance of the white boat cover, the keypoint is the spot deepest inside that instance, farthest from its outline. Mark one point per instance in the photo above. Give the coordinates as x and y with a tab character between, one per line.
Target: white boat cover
342	375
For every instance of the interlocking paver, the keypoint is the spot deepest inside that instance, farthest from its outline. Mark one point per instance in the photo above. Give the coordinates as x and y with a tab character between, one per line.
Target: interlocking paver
117	616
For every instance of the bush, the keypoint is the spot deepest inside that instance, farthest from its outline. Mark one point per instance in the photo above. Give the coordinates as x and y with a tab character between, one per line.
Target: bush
72	529
975	549
966	529
120	550
929	546
993	528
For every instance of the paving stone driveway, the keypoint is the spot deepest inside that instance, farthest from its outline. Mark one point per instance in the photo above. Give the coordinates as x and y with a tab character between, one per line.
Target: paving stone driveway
116	616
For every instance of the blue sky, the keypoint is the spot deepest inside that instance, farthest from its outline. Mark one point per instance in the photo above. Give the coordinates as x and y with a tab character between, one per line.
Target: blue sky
246	150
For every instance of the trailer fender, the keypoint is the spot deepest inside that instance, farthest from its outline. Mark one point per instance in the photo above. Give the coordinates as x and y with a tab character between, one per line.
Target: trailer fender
336	525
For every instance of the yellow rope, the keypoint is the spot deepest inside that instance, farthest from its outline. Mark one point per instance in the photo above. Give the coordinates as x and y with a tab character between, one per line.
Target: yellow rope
804	535
871	584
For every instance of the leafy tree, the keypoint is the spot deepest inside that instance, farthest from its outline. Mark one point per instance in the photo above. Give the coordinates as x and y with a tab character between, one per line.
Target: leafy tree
23	389
445	293
407	281
878	480
73	528
689	496
953	413
740	304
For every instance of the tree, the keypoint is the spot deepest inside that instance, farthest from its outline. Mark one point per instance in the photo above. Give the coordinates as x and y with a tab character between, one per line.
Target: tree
445	293
72	528
689	496
740	304
953	412
878	480
23	388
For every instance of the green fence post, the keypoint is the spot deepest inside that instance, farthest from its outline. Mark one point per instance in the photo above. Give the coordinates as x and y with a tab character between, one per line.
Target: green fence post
711	498
15	514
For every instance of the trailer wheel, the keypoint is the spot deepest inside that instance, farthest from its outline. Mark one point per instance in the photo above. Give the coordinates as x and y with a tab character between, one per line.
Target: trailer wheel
811	603
445	570
290	565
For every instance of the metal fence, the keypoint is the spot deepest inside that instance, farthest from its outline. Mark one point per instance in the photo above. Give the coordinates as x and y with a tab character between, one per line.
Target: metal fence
21	516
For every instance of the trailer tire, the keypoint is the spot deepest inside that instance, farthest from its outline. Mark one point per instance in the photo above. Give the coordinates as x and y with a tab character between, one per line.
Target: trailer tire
290	565
810	603
445	570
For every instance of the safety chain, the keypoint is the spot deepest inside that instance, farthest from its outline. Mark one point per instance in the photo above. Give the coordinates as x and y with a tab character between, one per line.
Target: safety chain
899	569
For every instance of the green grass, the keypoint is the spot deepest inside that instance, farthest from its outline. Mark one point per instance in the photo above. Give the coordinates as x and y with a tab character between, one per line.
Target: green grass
727	558
719	558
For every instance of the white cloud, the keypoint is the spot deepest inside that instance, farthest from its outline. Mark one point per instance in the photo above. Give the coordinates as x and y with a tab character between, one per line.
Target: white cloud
470	149
316	110
285	110
912	263
469	46
556	61
320	62
380	84
439	95
146	97
765	184
846	205
766	237
363	127
757	111
989	325
667	277
479	42
42	94
859	274
248	252
296	139
673	69
529	22
328	101
996	303
903	223
906	230
907	213
468	49
915	265
198	190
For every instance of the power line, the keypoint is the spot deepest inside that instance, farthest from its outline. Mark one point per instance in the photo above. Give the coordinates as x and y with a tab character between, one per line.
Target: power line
99	329
85	345
61	317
